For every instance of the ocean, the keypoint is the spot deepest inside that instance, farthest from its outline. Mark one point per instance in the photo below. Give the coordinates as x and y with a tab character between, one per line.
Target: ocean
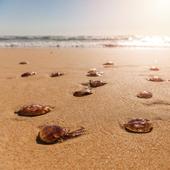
84	41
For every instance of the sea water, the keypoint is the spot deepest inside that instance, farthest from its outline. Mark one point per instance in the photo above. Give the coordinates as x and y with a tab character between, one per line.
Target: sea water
84	41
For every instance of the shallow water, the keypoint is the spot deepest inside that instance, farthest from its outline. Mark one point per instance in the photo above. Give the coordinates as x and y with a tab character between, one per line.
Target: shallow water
84	41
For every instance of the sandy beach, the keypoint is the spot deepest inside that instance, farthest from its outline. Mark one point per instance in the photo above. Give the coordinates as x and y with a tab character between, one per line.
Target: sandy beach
106	146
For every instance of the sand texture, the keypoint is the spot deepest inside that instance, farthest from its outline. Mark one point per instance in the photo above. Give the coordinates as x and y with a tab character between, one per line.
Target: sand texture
106	145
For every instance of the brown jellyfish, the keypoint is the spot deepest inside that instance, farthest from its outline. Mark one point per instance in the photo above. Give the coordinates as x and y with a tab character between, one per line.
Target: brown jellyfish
155	79
23	62
145	94
138	125
82	92
108	64
53	133
27	74
94	73
154	68
33	110
95	83
56	74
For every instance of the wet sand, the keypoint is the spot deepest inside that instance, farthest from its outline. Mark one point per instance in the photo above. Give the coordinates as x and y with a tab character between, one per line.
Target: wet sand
106	145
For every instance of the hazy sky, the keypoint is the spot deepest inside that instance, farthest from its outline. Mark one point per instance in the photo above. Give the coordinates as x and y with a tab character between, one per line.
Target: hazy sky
84	17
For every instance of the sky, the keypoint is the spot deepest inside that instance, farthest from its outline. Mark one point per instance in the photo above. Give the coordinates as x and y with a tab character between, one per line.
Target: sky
84	17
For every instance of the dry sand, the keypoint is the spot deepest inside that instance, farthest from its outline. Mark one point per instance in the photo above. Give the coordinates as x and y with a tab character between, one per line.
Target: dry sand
106	145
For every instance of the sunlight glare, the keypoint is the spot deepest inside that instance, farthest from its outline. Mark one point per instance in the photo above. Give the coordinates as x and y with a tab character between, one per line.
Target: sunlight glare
162	5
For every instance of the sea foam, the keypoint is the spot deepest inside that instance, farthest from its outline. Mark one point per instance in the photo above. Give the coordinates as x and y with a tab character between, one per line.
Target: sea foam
84	41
